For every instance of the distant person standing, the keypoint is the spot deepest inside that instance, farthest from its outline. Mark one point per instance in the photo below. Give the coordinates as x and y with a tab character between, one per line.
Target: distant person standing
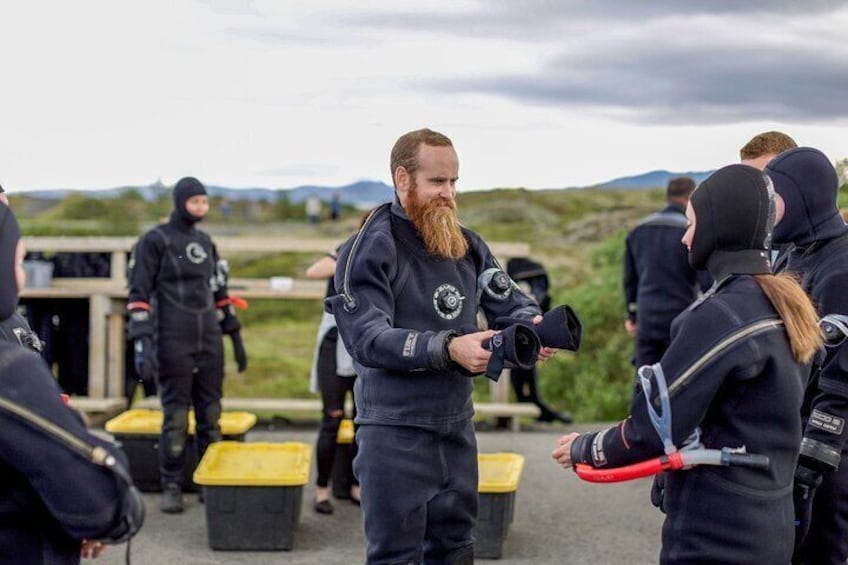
313	209
659	282
178	276
334	376
335	208
3	198
764	147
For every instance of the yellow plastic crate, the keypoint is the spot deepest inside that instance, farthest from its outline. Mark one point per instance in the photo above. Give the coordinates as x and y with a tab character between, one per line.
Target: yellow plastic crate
143	421
499	472
232	463
345	434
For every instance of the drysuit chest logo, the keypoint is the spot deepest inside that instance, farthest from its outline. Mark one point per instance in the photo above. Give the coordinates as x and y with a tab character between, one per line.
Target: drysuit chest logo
195	253
448	301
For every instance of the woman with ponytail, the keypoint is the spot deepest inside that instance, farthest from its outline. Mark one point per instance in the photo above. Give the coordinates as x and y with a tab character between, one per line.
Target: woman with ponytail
732	379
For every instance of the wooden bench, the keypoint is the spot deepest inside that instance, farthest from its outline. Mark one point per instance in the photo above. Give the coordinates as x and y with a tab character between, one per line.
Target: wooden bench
98	410
512	410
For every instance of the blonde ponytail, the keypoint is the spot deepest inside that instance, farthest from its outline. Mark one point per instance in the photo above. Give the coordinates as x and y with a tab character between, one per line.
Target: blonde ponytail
796	310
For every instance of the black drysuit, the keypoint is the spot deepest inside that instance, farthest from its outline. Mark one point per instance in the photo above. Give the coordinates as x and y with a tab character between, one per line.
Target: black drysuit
659	282
175	275
51	496
732	373
417	460
812	224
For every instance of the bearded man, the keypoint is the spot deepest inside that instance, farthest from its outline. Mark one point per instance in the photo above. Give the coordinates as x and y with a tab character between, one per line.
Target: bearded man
410	284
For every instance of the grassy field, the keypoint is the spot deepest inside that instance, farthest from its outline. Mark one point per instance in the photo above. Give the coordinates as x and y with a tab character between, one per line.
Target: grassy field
578	235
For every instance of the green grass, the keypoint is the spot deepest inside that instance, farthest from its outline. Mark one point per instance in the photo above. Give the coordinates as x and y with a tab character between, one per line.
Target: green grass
578	235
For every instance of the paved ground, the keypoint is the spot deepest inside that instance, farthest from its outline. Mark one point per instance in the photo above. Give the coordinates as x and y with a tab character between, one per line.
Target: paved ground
558	518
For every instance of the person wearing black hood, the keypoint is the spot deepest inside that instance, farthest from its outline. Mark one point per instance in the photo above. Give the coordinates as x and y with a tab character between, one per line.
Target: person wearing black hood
818	255
14	328
63	492
178	299
732	377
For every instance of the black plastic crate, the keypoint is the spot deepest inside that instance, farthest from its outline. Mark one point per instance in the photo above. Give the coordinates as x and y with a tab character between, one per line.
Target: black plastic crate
494	515
252	518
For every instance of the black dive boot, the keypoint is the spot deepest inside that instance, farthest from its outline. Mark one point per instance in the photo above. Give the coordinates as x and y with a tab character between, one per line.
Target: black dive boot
172	499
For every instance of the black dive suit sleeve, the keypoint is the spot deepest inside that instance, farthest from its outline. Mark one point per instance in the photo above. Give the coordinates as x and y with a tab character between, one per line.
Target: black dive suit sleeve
630	282
366	325
89	501
691	394
142	284
825	431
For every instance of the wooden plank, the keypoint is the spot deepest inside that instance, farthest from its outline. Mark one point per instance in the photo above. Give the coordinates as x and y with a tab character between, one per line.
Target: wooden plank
93	244
107	405
227	244
506	409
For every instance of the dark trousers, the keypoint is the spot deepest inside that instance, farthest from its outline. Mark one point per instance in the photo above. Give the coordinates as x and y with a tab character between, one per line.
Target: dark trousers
419	491
196	380
649	351
334	388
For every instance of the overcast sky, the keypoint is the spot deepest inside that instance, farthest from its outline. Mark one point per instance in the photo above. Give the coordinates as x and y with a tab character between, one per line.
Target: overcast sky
534	93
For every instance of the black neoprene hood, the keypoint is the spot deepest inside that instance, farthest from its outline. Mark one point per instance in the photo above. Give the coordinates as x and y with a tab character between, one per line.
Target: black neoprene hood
185	188
807	181
10	233
734	219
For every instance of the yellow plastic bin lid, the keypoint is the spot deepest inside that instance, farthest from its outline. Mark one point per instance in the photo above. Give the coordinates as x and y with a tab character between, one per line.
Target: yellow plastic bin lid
499	472
143	421
345	434
235	463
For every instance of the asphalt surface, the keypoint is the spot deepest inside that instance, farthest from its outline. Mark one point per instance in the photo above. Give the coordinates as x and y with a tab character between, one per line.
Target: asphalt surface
558	518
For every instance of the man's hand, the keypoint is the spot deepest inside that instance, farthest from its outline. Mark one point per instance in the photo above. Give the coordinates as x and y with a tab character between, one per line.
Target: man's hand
562	454
467	350
144	358
631	327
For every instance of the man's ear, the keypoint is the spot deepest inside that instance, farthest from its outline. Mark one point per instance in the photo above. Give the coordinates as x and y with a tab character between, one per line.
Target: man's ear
402	181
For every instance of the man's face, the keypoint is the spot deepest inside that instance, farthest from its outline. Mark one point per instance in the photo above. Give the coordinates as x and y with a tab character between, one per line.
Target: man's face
428	197
435	179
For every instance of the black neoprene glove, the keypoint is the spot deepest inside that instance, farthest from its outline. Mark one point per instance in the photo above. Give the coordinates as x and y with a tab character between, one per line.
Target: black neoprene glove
238	350
231	326
144	359
803	491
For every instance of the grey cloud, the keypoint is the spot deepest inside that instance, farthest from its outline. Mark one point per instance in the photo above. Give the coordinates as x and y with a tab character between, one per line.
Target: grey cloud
654	84
530	20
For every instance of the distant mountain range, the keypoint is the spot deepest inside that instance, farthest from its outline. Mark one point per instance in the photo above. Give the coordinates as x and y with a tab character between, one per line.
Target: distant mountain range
653	179
362	194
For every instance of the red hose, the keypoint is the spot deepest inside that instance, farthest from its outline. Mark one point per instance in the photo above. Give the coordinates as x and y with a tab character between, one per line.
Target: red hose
647	468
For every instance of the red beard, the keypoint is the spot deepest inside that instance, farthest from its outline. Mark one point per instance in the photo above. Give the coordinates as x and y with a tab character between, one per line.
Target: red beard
438	226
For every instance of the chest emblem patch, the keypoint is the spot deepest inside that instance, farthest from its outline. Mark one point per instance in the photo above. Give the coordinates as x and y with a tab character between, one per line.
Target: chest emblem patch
448	301
195	253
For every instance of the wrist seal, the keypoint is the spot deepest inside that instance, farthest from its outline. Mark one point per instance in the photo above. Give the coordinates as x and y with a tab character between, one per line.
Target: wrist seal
819	455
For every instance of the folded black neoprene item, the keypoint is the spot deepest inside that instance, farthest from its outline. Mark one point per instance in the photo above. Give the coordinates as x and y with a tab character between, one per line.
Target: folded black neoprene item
516	346
560	328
